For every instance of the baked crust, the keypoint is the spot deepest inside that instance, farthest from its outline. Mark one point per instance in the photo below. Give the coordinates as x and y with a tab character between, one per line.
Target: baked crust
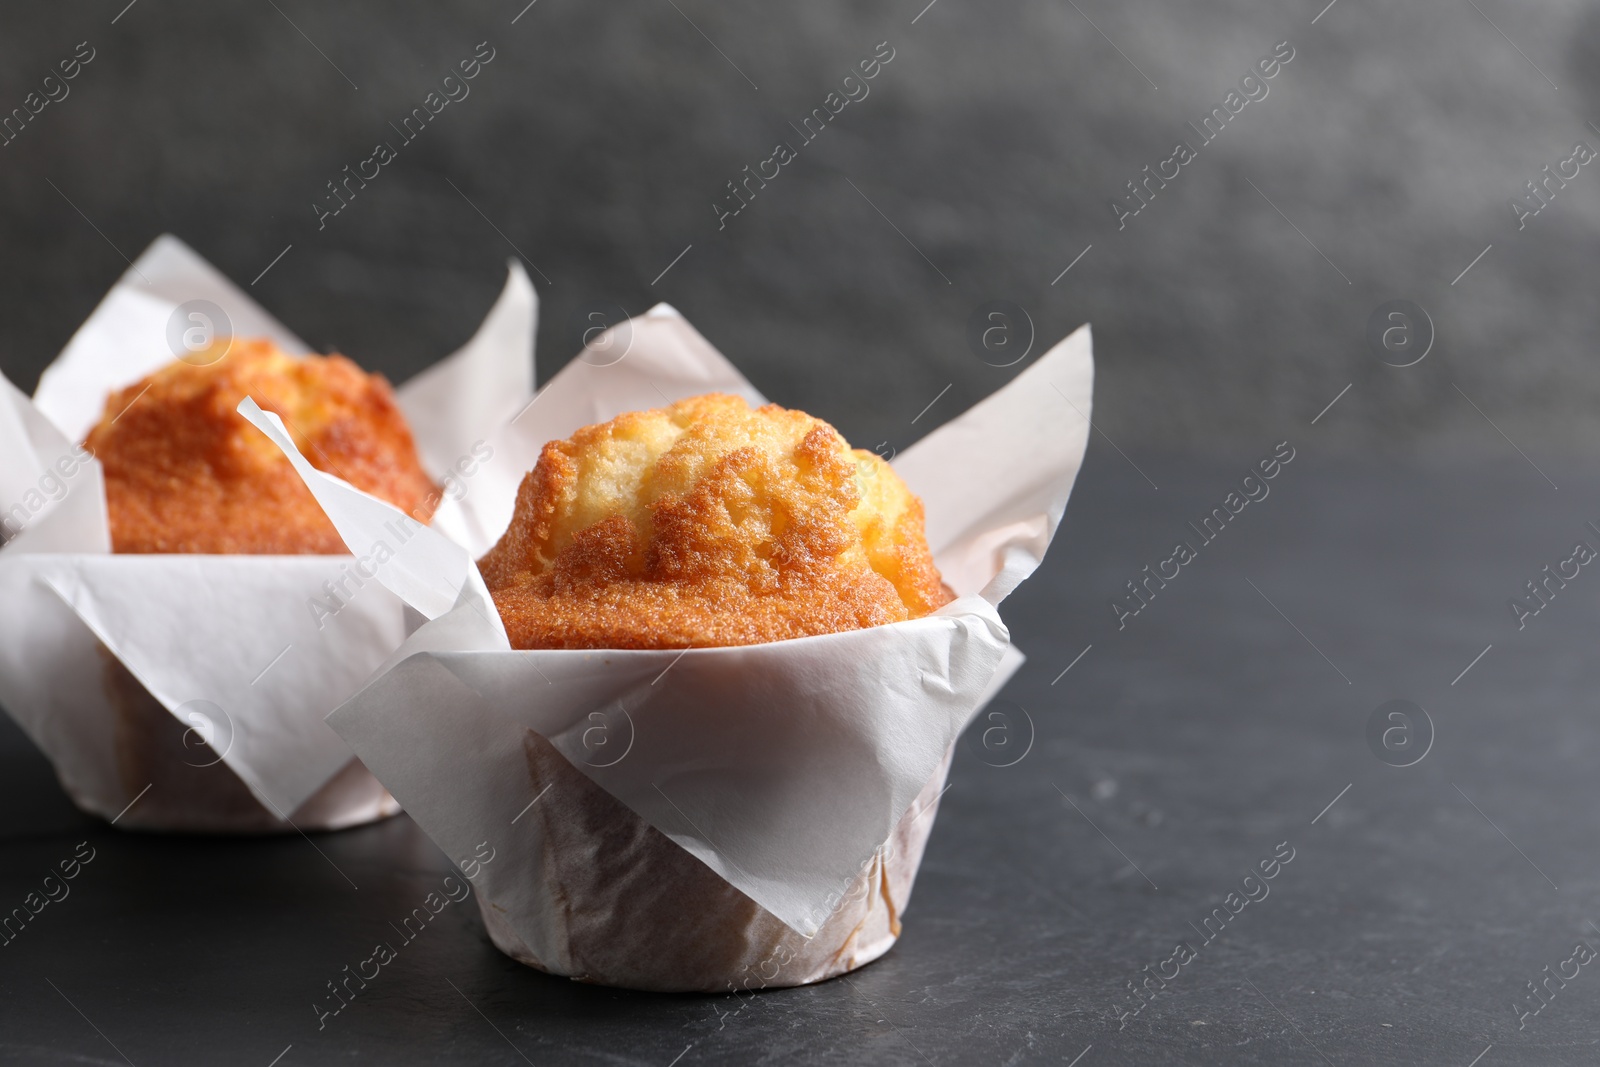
185	473
708	523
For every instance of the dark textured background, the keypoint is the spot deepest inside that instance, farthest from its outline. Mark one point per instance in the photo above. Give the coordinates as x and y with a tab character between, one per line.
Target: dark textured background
1209	730
600	135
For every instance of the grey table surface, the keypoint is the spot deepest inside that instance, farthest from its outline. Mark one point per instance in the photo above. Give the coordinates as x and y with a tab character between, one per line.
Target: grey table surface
1174	755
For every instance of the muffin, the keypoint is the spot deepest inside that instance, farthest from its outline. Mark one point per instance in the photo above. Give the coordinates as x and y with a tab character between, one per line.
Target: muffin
708	523
184	473
704	523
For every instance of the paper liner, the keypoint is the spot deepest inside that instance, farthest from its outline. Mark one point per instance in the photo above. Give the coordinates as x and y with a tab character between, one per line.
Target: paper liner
188	692
780	771
182	785
629	907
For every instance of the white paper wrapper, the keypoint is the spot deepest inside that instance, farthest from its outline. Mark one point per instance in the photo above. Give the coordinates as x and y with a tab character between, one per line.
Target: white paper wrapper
205	677
683	820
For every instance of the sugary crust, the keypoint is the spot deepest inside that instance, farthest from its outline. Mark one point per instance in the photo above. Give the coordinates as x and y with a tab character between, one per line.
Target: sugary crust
708	523
185	473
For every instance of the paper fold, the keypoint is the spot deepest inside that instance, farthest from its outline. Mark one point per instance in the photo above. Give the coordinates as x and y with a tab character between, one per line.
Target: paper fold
126	337
481	384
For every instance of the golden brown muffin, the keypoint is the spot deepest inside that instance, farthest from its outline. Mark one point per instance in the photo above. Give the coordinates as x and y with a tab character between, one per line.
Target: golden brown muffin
708	523
185	473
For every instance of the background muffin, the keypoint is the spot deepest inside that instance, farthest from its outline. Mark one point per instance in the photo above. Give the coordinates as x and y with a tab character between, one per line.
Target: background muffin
708	523
184	473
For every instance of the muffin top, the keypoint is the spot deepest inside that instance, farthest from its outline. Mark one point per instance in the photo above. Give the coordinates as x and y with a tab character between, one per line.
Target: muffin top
708	523
185	473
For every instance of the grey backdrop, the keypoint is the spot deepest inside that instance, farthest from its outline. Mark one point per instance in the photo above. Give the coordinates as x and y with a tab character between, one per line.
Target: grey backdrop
1229	314
1382	159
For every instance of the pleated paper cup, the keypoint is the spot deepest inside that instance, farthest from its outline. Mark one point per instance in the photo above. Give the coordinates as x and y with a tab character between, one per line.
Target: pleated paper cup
640	912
